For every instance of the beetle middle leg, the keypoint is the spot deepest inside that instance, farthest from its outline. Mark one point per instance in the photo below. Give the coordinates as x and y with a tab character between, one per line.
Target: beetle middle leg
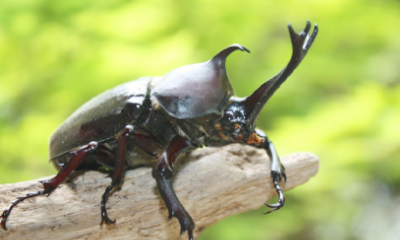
116	175
163	172
50	185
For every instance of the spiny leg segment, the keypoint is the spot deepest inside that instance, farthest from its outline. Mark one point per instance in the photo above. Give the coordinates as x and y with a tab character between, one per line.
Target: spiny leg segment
50	185
116	175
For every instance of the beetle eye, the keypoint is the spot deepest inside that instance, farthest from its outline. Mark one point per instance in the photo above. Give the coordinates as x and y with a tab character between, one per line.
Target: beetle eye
228	117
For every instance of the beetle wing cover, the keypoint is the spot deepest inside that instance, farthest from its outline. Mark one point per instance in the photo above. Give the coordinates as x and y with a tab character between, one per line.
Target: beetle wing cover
198	89
100	118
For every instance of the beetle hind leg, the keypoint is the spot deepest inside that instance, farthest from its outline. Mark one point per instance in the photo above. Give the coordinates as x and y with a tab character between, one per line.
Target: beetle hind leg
6	213
51	184
116	175
104	215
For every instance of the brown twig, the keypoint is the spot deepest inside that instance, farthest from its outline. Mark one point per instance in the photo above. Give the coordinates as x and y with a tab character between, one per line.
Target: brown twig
212	183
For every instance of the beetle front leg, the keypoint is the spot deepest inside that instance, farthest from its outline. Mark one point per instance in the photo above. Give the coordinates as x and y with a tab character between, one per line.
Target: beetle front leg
277	173
163	172
277	170
116	175
50	185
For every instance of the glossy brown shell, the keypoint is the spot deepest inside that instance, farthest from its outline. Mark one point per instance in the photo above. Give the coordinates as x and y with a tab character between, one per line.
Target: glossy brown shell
100	118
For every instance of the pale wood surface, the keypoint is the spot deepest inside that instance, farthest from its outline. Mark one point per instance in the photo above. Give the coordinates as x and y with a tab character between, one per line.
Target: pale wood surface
212	183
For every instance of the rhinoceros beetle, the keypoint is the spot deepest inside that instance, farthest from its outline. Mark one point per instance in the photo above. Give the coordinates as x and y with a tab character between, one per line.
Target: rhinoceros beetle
157	119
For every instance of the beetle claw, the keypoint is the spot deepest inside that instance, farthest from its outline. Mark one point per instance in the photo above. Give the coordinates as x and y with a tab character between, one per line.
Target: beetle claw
4	217
275	206
279	176
284	176
281	200
185	221
105	219
190	233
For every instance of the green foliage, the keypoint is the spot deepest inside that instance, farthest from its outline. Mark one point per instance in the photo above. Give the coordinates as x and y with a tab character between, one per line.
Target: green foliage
342	103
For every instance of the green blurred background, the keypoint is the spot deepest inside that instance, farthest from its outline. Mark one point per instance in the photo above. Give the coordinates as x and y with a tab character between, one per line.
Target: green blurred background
342	103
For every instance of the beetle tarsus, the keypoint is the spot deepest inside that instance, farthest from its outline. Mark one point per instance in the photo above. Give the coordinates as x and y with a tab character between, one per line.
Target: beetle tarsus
163	172
175	209
116	175
281	200
104	216
190	233
6	213
51	184
279	174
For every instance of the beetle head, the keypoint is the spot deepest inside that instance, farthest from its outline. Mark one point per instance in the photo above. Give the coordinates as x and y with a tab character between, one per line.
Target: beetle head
239	117
234	125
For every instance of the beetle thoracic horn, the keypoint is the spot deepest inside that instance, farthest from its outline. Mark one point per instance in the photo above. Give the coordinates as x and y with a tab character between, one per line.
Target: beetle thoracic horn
255	102
219	61
197	89
221	56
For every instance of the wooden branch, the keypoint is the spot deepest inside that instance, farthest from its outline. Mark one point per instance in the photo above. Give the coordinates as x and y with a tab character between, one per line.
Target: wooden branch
212	183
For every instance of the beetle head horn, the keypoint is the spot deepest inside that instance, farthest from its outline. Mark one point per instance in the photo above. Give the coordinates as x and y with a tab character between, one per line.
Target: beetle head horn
256	101
301	43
